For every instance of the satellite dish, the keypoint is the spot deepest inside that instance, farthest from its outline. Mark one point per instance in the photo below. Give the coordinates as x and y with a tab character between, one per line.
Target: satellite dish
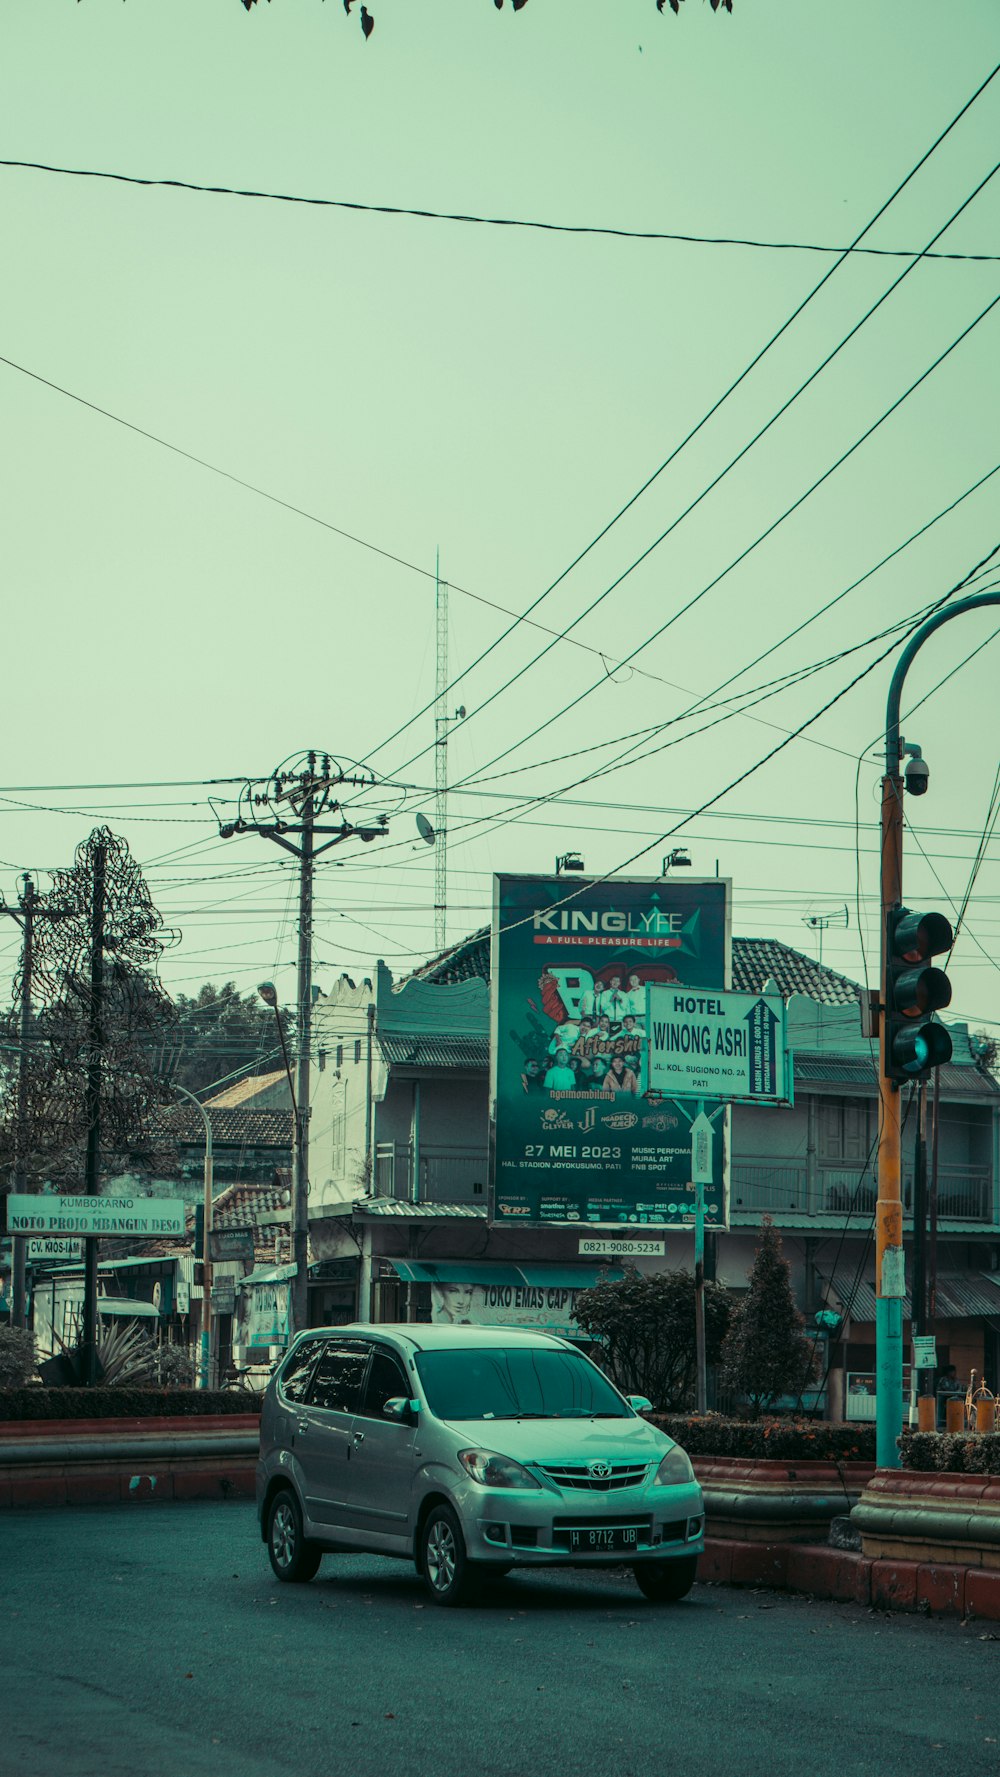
425	829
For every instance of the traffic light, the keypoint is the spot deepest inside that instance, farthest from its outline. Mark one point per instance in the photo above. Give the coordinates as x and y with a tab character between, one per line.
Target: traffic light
914	1045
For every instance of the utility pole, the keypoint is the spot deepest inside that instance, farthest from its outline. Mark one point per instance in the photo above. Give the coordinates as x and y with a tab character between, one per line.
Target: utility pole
906	939
307	791
24	913
92	1101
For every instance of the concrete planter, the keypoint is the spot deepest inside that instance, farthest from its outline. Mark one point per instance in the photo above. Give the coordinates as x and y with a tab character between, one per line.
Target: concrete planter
750	1499
81	1461
927	1516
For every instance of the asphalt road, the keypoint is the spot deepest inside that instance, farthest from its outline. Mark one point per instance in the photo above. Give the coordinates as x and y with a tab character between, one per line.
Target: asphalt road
154	1642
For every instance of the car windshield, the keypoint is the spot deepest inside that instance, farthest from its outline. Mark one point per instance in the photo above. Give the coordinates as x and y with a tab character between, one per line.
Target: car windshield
519	1383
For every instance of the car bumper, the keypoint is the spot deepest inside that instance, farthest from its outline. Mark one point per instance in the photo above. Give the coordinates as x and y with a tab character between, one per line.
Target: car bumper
506	1527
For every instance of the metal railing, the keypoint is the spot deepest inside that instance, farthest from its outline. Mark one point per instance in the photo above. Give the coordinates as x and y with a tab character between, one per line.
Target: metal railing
782	1186
447	1174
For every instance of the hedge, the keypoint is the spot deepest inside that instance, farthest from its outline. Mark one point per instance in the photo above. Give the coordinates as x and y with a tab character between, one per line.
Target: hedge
122	1403
802	1440
965	1453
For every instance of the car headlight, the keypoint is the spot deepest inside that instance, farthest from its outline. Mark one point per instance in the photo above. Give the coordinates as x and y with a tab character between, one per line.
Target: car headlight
491	1470
675	1469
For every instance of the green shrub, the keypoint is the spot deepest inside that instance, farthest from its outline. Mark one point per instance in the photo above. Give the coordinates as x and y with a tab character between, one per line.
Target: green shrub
780	1440
121	1403
646	1329
17	1357
965	1453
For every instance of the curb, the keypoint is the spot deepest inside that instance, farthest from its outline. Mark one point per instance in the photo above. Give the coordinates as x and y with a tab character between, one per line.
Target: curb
934	1588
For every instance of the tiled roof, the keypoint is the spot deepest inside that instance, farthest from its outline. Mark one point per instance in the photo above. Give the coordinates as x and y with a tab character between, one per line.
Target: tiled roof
401	1210
241	1094
418	1050
758	960
460	962
755	961
183	1125
243	1206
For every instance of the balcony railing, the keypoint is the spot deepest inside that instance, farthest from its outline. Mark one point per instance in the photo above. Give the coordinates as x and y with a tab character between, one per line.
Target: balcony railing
781	1186
447	1174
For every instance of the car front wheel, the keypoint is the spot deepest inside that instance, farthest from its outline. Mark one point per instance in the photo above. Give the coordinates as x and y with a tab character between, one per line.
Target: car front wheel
444	1564
666	1582
292	1557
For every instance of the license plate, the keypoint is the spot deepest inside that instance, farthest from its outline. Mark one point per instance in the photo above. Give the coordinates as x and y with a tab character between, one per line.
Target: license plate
599	1541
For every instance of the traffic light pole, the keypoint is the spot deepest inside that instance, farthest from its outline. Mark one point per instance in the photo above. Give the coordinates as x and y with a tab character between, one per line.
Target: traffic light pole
890	1280
889	1269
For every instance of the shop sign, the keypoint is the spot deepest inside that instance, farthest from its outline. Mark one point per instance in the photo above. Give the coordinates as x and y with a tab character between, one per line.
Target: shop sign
55	1247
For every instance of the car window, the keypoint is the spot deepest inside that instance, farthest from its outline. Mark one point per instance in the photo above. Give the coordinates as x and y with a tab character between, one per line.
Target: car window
521	1383
338	1376
385	1380
294	1378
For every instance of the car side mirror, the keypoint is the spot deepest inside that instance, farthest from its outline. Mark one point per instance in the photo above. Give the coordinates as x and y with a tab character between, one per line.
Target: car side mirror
400	1408
639	1403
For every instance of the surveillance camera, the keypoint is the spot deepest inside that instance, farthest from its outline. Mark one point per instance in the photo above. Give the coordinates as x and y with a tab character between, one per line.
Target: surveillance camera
917	776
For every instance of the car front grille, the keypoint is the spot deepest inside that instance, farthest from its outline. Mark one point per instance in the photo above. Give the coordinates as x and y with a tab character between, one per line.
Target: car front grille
622	1474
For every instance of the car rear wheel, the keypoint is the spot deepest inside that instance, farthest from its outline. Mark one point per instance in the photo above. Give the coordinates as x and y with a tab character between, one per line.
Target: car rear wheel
444	1564
666	1582
292	1557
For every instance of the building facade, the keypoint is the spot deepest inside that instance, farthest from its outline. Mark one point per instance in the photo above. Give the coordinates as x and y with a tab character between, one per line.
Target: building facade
399	1168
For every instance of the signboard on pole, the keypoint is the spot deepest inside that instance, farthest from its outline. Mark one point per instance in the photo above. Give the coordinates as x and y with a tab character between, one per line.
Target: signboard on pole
97	1216
729	1045
230	1243
579	1132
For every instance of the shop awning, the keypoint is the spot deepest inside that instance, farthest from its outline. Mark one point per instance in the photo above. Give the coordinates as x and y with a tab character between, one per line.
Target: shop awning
274	1274
479	1271
968	1295
126	1308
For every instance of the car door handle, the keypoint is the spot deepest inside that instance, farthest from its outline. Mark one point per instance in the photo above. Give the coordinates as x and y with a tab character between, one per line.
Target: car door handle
303	1426
359	1437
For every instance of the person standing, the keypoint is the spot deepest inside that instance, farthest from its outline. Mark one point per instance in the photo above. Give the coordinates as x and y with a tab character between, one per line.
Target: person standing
949	1388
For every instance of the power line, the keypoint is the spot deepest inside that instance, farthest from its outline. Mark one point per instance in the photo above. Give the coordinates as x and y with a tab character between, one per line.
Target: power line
755	544
423	215
724	397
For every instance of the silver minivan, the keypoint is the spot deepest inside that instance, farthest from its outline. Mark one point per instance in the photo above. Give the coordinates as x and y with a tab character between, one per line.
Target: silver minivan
470	1451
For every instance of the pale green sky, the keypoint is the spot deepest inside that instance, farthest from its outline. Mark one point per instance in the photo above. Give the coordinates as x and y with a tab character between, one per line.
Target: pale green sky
499	393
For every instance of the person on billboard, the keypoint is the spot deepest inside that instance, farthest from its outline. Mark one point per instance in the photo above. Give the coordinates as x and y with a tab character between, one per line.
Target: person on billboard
451	1304
564	1036
604	1039
533	1076
611	1002
620	1078
560	1076
635	995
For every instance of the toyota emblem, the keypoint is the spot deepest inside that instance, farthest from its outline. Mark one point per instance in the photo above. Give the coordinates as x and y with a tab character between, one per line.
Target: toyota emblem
599	1469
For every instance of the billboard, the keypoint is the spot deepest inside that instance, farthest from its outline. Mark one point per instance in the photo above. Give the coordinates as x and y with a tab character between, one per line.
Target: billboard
578	1135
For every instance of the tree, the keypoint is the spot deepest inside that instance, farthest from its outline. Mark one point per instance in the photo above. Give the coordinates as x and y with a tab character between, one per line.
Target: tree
220	1031
366	18
101	1017
766	1353
647	1329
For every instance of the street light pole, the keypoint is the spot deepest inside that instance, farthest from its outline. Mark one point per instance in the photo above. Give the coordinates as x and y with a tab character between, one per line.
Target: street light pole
890	1279
205	1368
